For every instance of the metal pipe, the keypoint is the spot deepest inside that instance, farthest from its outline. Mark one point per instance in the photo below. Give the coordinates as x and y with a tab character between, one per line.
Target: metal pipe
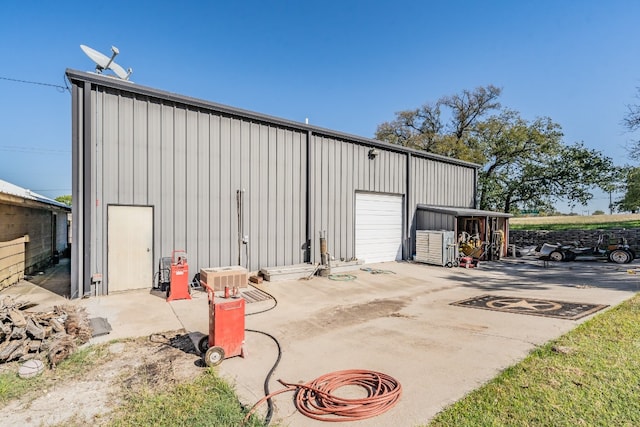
240	203
323	247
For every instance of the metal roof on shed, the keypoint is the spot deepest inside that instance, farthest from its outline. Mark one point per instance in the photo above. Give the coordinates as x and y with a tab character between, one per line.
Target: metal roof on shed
14	190
463	211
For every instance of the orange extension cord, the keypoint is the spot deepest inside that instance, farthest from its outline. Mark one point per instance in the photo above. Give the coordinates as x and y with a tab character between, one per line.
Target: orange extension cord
315	399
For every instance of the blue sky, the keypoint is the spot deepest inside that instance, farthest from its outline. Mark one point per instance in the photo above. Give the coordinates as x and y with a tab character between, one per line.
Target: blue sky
345	65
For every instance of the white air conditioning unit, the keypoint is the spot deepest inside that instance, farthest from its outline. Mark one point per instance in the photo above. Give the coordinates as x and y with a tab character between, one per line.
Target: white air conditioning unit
435	247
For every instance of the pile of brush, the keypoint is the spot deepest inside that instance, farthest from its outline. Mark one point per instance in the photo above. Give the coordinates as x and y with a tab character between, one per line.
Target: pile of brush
52	335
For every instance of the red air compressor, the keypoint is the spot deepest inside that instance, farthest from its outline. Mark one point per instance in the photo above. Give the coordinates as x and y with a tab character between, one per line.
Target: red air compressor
226	329
179	282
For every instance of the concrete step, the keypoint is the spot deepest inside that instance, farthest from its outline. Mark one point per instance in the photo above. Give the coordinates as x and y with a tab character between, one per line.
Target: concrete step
291	272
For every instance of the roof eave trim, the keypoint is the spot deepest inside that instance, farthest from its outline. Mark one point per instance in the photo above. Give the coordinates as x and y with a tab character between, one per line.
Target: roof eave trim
456	211
127	86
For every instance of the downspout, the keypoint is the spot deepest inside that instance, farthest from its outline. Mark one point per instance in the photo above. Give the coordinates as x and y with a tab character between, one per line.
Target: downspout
240	208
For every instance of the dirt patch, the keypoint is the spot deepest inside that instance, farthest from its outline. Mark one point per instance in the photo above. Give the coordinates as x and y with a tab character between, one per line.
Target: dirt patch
343	316
153	363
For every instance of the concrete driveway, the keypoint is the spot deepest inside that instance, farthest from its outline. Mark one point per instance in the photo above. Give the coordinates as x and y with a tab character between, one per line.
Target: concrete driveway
400	323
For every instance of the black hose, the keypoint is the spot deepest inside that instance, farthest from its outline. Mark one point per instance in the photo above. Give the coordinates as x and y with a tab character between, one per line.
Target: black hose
267	418
275	303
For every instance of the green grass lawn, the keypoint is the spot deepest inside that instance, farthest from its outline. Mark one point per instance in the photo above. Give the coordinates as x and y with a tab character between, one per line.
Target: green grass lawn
12	386
575	222
207	401
588	377
575	225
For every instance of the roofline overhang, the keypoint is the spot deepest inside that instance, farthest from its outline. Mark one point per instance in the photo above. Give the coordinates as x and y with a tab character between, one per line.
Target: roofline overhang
11	199
463	211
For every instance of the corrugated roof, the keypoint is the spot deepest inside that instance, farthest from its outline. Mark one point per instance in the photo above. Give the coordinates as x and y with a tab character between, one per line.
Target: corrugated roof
462	211
14	190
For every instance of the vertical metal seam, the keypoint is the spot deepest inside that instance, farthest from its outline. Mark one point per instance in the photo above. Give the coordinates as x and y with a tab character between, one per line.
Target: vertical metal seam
162	224
209	186
192	236
270	177
247	186
221	206
86	189
75	222
475	188
275	197
147	192
173	176
308	198
133	150
186	177
408	242
119	147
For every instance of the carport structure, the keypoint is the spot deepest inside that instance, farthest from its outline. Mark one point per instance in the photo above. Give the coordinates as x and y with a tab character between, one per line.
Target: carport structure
490	229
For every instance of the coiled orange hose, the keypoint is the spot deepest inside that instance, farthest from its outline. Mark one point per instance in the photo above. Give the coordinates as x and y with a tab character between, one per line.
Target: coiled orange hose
316	399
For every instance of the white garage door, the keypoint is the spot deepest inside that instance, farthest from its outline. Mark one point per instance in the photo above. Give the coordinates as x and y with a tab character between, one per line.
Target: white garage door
378	227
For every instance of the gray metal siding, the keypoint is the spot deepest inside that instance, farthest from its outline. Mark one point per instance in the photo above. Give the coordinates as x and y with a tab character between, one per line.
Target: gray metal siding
190	163
442	184
78	201
427	220
202	209
338	169
187	158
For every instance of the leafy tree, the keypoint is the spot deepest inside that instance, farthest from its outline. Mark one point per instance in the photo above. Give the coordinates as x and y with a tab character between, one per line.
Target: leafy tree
524	164
631	187
425	128
64	199
632	122
527	164
598	212
631	200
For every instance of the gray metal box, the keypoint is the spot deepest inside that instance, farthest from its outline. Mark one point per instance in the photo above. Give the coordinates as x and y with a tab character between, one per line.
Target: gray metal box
435	247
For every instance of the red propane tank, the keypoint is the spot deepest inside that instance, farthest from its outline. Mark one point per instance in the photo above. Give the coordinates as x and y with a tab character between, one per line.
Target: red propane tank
179	285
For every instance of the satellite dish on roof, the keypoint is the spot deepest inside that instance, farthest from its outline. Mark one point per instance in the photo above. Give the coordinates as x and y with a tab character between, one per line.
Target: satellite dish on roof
103	62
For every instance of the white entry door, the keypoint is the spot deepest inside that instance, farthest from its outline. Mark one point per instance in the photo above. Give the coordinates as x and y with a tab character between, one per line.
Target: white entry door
130	243
378	227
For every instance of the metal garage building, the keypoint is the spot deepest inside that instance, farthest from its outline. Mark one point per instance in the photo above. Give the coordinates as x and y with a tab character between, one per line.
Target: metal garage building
154	171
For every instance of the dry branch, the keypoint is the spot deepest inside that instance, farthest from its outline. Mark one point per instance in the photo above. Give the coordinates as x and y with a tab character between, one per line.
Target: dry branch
34	329
52	335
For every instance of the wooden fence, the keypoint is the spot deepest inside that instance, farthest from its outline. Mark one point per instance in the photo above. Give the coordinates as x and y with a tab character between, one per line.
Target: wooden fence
12	261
